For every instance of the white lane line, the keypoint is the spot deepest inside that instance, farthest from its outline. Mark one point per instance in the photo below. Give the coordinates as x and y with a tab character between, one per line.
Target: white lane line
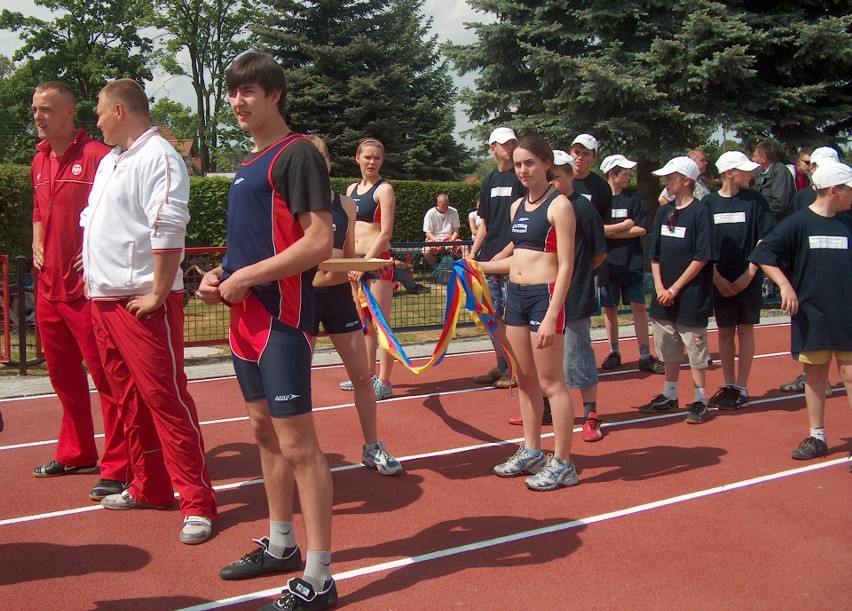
528	534
33	444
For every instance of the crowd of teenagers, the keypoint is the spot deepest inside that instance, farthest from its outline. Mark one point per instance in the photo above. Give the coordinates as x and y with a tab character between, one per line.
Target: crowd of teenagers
551	235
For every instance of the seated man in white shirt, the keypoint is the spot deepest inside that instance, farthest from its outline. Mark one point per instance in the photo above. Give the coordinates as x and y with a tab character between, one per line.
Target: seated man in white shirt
441	224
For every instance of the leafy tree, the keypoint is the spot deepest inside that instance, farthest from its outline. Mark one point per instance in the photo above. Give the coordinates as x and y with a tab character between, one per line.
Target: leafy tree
178	117
651	78
210	34
17	137
86	45
359	68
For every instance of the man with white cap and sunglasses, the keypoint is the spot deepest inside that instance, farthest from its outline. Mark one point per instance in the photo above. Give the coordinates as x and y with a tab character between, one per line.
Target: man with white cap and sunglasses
805	256
683	281
493	238
741	218
621	277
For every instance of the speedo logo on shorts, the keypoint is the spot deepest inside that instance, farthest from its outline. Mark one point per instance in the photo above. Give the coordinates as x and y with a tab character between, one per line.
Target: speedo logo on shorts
350	324
286	398
535	323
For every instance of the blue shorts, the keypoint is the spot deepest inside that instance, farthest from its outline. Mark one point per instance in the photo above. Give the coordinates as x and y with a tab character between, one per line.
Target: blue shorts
611	294
497	284
335	309
527	304
271	360
581	370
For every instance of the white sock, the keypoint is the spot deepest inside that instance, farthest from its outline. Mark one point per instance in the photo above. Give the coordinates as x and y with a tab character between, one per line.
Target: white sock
819	434
700	394
670	390
317	569
281	537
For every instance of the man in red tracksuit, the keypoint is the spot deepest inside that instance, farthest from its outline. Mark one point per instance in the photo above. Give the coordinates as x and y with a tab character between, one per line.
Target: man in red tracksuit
62	173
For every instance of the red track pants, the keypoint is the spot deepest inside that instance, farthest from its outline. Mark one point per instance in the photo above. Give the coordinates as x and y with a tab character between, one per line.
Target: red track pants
67	337
144	363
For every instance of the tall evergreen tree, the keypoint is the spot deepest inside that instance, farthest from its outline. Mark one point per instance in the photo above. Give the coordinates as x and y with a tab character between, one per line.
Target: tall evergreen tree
359	68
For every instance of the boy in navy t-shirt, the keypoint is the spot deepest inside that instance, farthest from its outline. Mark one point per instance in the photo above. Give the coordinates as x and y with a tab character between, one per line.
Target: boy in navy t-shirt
683	281
741	218
809	257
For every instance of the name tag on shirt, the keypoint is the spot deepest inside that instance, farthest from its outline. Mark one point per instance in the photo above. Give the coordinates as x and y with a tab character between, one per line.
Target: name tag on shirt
619	213
677	232
729	217
501	192
834	242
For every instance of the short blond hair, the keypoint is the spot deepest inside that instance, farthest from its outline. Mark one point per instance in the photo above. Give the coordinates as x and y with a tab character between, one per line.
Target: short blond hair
129	94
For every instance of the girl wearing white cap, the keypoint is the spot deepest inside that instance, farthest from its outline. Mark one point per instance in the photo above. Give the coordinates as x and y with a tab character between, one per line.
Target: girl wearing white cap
540	270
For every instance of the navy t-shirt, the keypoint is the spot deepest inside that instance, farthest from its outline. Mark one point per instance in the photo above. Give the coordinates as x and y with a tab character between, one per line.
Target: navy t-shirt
625	259
802	199
690	239
588	241
739	223
814	253
496	195
596	190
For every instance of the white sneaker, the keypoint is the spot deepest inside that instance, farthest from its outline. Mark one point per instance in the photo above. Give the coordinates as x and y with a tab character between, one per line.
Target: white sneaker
382	390
196	529
377	457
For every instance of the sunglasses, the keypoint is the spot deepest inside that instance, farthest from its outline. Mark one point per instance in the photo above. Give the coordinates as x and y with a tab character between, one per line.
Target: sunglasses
808	161
671	221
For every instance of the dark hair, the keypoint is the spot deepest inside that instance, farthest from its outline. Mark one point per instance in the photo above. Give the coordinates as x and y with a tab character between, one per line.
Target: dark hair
259	69
129	94
767	149
59	87
539	147
618	170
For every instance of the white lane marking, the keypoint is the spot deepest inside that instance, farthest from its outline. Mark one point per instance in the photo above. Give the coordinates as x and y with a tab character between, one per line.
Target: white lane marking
528	534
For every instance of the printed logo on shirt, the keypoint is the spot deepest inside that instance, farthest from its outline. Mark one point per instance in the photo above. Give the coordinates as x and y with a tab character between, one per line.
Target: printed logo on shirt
675	232
120	168
519	228
280	398
832	242
501	192
238	181
76	169
724	218
619	213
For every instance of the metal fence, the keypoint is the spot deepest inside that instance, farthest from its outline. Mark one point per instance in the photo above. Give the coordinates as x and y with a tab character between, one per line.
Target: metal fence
20	344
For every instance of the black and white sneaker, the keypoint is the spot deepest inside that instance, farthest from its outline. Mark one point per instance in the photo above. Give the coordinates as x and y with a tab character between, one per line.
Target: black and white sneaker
698	413
299	595
659	404
105	487
55	468
260	562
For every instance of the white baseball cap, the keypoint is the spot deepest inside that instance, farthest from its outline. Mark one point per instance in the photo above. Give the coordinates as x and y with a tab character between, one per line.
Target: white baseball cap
502	135
587	140
616	161
831	175
824	154
681	165
735	160
563	158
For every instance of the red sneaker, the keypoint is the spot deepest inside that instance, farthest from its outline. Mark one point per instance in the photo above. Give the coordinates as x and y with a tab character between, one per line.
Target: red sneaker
592	428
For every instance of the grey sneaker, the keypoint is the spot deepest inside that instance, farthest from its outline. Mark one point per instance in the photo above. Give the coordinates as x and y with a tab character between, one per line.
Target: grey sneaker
382	390
196	529
698	413
810	448
347	385
522	461
377	457
553	475
125	501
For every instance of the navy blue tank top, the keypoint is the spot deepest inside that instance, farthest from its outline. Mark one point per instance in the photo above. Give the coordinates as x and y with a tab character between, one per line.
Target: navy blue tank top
339	221
367	209
532	230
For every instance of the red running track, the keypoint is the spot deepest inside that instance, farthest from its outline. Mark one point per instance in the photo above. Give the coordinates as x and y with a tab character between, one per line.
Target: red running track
666	515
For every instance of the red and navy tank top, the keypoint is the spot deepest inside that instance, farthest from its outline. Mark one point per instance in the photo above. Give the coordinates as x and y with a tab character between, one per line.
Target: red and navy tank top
367	209
531	230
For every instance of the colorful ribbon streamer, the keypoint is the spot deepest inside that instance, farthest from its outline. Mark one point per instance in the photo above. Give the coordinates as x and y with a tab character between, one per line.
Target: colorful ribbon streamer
466	277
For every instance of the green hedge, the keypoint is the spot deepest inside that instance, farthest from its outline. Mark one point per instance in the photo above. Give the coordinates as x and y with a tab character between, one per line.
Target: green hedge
208	204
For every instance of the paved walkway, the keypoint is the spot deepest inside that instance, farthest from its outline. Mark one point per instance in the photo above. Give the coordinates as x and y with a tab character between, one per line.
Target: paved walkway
206	362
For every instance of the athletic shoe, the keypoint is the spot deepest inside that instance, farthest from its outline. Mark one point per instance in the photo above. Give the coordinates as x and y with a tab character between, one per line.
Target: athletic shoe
546	417
522	461
728	397
553	475
105	487
505	382
196	529
698	413
348	385
652	365
797	385
810	448
377	457
382	390
490	377
612	361
55	469
592	428
659	404
299	595
260	562
125	501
